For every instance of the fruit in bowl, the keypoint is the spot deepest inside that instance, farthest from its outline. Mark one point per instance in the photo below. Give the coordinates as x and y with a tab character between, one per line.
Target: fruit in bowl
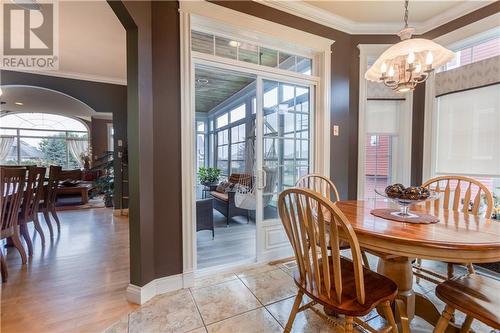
398	191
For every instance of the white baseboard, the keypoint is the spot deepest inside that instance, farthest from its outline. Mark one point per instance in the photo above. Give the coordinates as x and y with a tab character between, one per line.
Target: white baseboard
140	295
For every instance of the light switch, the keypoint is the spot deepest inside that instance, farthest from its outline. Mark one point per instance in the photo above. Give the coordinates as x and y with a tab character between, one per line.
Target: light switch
335	130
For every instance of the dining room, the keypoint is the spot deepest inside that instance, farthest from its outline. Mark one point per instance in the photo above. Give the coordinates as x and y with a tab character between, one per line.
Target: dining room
356	150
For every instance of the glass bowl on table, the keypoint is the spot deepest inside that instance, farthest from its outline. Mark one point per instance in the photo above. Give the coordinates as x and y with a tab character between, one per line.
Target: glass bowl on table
404	203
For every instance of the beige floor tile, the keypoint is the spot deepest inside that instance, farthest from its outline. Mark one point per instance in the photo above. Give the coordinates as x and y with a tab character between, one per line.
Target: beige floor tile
199	330
270	286
224	300
214	279
256	270
172	312
120	326
305	322
255	321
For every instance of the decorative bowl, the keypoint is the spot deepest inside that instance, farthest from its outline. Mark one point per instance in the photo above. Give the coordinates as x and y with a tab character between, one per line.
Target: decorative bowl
404	204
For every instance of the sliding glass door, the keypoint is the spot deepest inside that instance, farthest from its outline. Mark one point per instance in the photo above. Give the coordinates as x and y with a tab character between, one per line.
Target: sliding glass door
283	132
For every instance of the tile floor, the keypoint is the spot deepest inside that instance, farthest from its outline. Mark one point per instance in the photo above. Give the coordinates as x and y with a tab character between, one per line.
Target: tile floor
258	299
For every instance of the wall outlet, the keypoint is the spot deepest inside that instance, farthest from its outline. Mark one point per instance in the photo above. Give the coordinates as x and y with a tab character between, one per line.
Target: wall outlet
335	130
120	143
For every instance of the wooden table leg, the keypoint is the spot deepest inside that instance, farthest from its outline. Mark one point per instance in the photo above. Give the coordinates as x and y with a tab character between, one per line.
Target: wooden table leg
85	196
399	270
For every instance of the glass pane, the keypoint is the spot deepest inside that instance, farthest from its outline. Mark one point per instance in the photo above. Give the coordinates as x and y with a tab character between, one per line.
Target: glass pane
378	163
304	66
7	131
237	167
226	48
222	137
222	152
249	53
200	126
238	133
200	150
270	206
238	151
268	57
42	121
42	133
222	120
238	113
287	61
223	166
201	42
254	105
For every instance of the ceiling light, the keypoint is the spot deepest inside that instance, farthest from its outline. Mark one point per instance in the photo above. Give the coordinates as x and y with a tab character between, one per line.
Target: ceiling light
234	43
19	103
401	67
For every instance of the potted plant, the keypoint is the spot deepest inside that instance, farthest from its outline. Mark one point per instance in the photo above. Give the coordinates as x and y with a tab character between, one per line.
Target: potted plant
209	176
105	184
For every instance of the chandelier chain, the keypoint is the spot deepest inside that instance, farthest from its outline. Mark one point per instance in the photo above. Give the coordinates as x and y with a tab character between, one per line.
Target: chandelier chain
406	13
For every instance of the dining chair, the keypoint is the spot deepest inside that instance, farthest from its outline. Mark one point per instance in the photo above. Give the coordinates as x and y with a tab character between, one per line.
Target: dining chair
11	189
476	296
29	207
327	188
48	203
458	194
340	285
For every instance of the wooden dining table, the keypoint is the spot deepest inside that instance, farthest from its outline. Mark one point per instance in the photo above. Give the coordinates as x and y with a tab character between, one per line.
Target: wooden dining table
456	238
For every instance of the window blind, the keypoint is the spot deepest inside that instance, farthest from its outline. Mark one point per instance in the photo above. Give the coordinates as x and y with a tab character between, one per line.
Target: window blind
468	132
382	116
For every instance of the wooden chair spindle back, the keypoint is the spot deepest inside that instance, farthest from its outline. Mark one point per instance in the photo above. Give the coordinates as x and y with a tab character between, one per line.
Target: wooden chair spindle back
11	188
319	183
33	192
304	214
53	184
455	198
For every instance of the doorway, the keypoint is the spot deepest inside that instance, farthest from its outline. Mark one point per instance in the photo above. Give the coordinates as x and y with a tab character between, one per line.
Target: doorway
254	132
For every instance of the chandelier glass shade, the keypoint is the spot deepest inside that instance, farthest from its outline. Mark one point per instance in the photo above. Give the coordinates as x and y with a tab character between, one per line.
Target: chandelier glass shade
404	65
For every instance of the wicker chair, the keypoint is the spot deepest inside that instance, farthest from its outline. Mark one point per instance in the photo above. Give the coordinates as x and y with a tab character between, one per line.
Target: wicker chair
224	202
205	215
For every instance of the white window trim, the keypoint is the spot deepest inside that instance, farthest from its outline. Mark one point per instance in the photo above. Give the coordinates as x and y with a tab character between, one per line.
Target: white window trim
374	50
259	29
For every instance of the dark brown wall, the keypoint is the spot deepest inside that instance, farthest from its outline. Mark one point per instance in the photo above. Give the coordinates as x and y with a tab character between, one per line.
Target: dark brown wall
99	136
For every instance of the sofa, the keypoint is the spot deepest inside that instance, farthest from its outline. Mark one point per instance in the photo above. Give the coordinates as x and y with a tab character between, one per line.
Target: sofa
224	201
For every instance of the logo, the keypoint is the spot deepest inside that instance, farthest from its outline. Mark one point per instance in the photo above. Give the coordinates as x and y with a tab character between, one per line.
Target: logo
29	36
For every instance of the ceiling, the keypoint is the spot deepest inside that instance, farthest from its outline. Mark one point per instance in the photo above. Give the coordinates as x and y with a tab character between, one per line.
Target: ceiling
213	86
42	100
92	42
378	17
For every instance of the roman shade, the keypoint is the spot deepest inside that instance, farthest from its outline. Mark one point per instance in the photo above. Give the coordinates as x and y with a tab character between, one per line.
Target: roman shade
382	116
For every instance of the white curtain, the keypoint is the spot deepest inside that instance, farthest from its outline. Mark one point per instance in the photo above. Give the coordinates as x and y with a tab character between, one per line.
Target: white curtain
6	143
76	148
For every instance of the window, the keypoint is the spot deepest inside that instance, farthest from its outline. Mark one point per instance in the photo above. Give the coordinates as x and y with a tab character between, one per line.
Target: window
223	151
248	52
482	48
238	113
43	139
111	135
200	144
467	135
222	121
238	152
383	145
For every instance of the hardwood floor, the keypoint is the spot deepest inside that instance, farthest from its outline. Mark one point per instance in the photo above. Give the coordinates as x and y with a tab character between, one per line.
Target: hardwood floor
76	283
231	244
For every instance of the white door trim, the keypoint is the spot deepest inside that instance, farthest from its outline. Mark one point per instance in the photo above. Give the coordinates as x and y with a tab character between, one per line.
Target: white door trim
320	48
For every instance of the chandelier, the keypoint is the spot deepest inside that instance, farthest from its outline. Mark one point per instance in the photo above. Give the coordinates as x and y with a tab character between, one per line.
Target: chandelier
404	65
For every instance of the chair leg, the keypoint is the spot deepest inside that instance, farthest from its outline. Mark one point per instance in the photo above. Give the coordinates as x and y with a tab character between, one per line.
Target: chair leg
293	313
23	228
365	259
3	267
386	306
38	228
19	246
46	217
418	263
444	319
348	328
54	214
403	316
470	268
466	325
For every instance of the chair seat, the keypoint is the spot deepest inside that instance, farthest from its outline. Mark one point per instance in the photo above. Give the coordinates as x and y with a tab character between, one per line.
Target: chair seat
378	289
475	295
218	195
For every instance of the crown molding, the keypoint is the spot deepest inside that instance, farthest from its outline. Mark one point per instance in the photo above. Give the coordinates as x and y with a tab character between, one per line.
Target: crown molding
76	76
312	13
